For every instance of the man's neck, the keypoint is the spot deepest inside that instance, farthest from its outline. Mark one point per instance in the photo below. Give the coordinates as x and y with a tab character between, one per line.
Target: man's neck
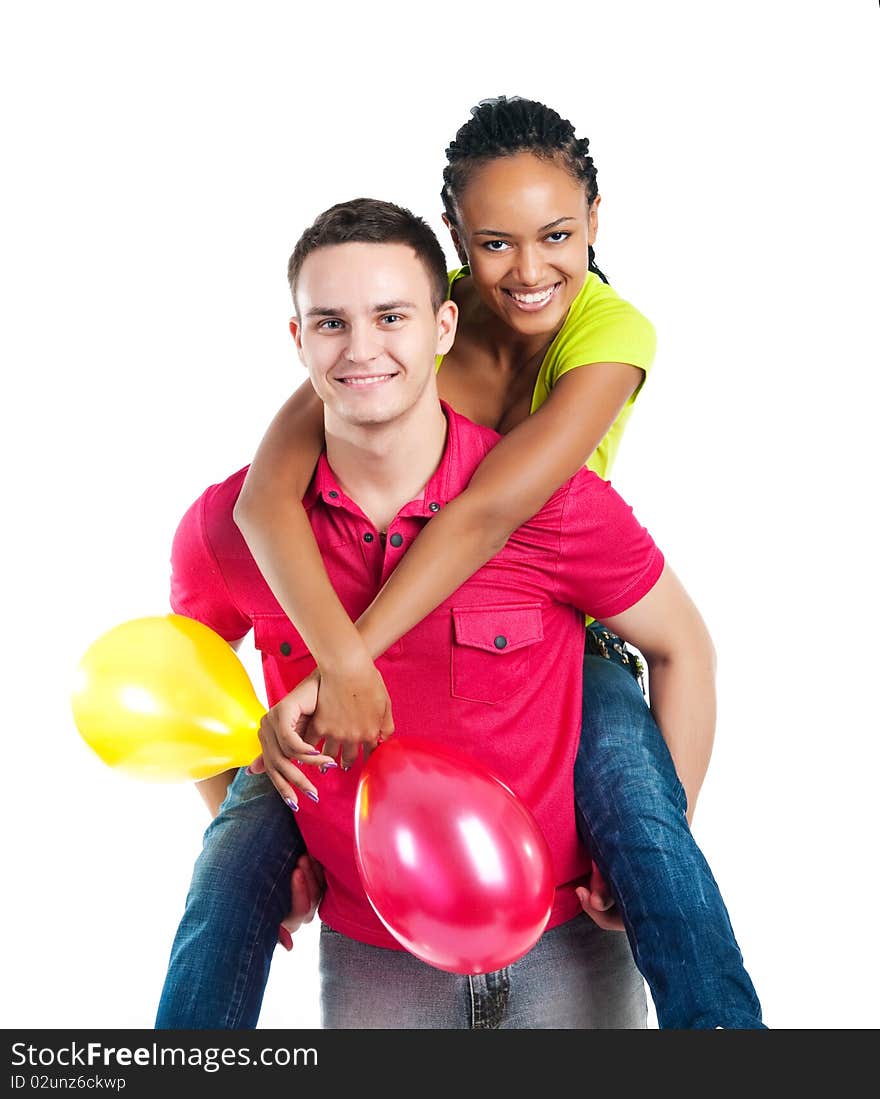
384	466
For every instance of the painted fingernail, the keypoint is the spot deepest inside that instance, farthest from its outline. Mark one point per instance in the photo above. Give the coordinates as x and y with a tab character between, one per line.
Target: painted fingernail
292	804
325	767
314	797
314	752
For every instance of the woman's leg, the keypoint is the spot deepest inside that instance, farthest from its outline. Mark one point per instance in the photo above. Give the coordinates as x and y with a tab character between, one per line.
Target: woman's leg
240	893
631	810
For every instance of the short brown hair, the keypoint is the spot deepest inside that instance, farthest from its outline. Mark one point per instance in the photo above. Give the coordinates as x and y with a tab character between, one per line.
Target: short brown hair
371	221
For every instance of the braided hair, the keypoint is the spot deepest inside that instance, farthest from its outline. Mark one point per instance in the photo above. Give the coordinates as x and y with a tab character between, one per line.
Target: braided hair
504	126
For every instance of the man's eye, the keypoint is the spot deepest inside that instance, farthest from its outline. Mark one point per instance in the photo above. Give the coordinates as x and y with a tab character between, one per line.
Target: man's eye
391	318
496	245
557	237
332	325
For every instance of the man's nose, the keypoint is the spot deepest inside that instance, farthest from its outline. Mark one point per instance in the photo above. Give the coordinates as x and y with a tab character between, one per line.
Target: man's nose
363	344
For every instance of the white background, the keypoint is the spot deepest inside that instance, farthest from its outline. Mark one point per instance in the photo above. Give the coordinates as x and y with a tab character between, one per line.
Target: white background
160	162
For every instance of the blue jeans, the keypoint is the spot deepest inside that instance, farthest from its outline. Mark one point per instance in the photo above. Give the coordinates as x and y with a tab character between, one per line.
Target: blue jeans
631	811
240	893
576	977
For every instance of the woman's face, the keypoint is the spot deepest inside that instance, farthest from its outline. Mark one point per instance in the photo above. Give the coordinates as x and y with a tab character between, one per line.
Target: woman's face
525	229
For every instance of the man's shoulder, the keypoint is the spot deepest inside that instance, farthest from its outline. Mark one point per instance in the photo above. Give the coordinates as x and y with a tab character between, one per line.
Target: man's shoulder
472	436
212	514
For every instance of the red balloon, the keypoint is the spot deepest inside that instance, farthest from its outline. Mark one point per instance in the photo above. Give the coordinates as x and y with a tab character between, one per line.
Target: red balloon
453	863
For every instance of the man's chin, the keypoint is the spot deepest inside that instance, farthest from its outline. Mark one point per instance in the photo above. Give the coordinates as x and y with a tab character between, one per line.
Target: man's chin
369	417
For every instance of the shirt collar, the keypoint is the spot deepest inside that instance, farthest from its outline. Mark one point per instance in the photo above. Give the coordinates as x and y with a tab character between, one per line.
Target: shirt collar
448	480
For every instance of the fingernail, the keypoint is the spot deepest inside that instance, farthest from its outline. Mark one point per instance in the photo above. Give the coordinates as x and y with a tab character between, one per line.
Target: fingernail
314	797
325	767
292	804
346	767
314	752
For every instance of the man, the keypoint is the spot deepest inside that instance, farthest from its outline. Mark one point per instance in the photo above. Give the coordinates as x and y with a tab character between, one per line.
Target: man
494	671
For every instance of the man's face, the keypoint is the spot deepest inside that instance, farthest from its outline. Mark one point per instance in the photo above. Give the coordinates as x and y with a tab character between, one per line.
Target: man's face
367	332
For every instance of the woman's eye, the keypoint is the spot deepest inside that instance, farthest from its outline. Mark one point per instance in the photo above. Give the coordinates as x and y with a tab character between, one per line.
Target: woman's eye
496	245
557	237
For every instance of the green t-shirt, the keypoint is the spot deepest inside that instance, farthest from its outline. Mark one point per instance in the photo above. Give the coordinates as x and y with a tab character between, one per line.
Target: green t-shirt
600	327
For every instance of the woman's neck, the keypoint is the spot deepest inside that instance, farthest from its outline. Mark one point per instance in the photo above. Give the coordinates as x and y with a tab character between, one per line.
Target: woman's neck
512	351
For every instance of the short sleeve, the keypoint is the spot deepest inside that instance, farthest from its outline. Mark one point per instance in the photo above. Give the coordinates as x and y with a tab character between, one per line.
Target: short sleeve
601	327
198	586
607	560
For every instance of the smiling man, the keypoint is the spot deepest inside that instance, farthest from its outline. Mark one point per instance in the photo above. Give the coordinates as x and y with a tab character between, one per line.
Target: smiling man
494	672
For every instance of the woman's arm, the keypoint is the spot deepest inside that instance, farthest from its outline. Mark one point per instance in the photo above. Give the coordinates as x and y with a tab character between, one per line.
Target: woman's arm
512	483
271	517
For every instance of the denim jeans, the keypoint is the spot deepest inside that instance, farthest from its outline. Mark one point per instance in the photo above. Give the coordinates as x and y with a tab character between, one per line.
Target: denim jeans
240	892
631	811
576	977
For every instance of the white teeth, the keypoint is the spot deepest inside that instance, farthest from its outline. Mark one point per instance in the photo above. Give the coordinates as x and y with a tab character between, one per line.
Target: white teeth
532	299
374	380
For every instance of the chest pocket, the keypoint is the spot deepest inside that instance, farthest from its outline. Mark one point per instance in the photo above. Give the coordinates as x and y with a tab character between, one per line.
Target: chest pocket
491	651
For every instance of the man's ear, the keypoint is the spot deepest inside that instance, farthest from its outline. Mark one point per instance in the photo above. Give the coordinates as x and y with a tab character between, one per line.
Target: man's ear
456	239
593	220
447	321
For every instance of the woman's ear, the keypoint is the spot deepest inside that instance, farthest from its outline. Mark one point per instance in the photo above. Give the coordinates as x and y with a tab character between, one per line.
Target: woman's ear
456	239
593	219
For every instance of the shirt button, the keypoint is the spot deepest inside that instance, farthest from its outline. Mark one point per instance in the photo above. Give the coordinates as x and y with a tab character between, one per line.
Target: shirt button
285	648
396	540
501	642
433	507
368	537
333	494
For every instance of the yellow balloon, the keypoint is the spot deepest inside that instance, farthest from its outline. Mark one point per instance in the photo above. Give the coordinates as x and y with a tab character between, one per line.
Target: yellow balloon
166	699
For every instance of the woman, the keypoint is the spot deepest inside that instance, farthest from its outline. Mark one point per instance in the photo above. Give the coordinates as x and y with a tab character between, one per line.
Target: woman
551	357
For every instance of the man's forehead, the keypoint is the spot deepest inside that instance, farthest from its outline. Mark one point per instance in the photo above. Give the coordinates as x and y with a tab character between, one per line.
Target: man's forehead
359	276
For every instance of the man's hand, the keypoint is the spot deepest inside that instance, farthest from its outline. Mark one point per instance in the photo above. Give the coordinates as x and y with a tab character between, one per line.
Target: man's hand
281	738
353	711
306	890
597	902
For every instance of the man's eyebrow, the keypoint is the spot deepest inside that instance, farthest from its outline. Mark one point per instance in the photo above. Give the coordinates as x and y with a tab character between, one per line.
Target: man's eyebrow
542	229
324	311
381	307
390	306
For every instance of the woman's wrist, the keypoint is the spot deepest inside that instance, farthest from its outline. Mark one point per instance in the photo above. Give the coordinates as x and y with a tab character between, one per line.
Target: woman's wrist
351	658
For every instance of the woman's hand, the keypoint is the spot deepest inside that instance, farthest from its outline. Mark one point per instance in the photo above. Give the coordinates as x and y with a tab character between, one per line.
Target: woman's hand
281	738
353	710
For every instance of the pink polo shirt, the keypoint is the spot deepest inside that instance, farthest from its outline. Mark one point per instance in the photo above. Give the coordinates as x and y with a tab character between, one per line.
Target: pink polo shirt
494	672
